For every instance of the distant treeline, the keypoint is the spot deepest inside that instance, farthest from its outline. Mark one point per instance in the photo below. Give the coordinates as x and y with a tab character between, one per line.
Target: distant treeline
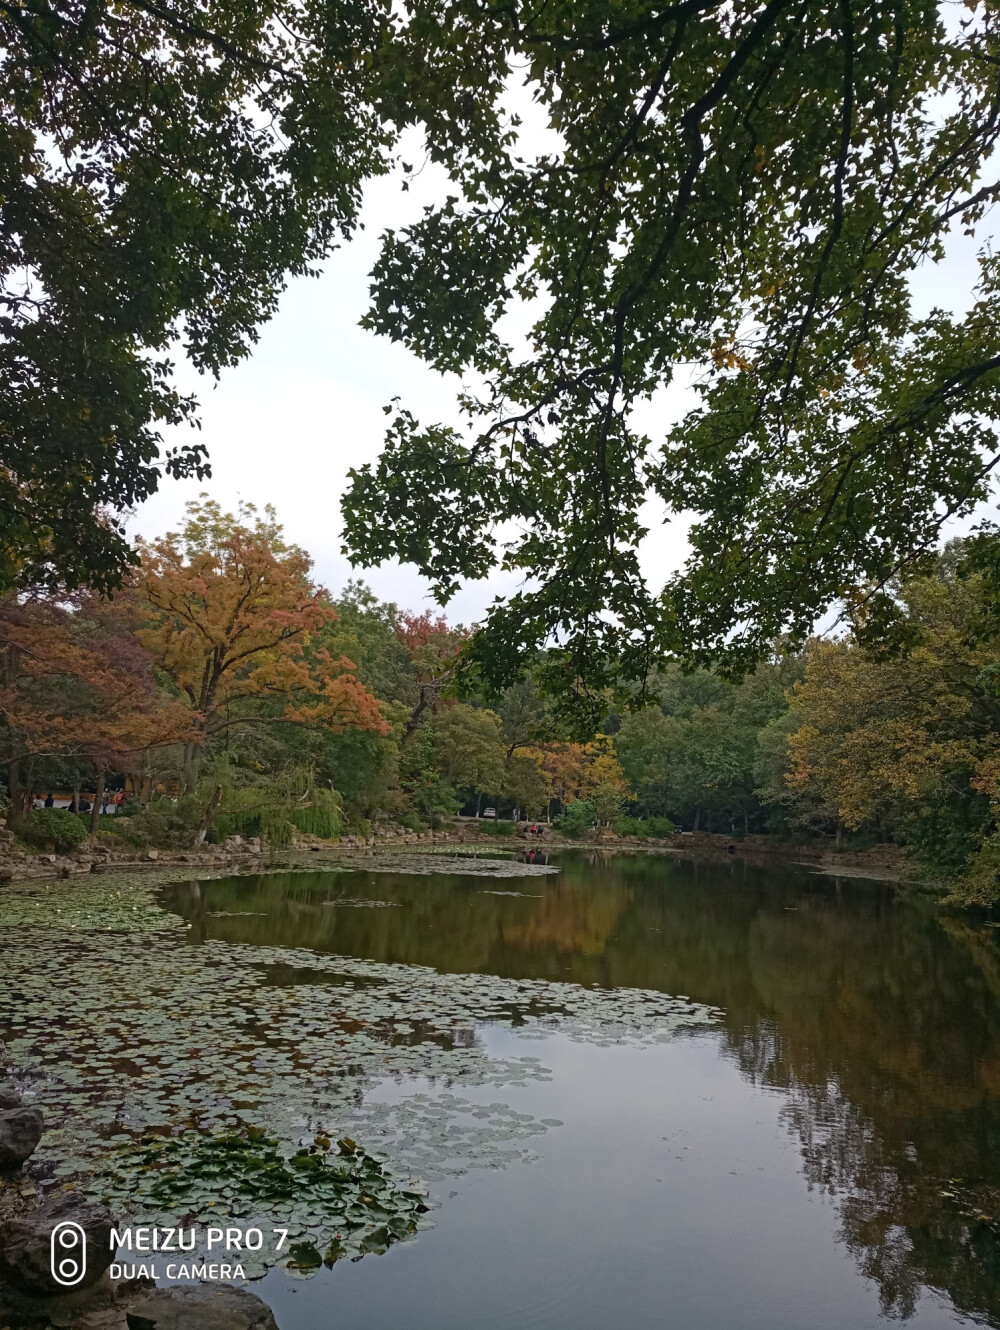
228	691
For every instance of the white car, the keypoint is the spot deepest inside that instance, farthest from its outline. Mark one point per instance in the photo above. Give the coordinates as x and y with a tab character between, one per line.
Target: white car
489	812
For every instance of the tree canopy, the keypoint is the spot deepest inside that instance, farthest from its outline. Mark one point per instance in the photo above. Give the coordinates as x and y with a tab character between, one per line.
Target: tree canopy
231	619
739	190
165	167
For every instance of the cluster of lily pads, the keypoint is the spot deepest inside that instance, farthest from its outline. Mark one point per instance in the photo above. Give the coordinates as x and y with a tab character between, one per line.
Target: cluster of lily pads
186	1081
325	1201
456	862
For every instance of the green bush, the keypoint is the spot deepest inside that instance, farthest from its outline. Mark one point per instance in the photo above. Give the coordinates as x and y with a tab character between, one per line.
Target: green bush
274	807
500	827
52	826
577	818
410	821
644	827
119	831
658	826
167	823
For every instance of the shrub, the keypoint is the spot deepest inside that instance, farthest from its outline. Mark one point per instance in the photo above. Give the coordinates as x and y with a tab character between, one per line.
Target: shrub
658	826
644	826
577	818
52	826
119	830
500	827
410	821
274	807
166	823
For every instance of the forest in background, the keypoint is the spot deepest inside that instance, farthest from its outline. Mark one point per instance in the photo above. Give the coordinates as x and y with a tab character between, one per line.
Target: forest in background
226	692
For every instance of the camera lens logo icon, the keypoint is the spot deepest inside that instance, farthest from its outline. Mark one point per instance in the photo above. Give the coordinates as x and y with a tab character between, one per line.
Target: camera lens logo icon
68	1254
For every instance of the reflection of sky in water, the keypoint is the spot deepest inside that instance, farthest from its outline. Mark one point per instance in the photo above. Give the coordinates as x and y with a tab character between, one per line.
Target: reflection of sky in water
672	1195
862	1031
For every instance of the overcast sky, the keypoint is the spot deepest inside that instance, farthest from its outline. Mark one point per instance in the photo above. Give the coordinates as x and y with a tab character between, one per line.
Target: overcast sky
285	426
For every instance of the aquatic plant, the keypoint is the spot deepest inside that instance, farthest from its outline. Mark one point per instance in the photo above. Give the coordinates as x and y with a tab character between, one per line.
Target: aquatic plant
242	1057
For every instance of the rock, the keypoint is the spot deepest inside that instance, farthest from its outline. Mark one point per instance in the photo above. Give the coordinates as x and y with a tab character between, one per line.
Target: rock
26	1244
9	1098
20	1131
201	1307
152	855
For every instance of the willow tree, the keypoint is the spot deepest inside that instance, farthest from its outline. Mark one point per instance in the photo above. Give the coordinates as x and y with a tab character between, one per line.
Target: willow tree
745	189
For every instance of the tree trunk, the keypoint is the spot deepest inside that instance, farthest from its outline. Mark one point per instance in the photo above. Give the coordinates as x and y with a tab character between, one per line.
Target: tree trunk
18	794
479	803
746	823
840	833
208	816
95	812
697	818
75	805
193	754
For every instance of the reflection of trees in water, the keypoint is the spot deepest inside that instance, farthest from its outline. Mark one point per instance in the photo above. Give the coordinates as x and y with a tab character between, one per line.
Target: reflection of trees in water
879	1022
908	1219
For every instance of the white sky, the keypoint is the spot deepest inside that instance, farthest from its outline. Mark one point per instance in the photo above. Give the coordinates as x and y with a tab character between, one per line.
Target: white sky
285	426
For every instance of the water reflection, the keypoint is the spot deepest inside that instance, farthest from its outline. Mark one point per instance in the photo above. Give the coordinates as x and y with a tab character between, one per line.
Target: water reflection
878	1019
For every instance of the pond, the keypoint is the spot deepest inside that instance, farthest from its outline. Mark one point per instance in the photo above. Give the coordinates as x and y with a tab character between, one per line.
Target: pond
609	1090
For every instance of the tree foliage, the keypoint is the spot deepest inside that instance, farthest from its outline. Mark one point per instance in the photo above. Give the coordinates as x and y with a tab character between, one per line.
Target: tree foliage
468	743
165	168
743	188
906	744
525	784
230	617
75	685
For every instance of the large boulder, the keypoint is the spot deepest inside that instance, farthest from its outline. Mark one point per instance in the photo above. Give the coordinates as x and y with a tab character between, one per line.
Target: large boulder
9	1098
20	1131
26	1245
201	1307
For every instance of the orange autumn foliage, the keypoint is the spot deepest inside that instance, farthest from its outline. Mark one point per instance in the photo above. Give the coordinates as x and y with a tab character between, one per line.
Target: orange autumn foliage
576	771
74	682
231	617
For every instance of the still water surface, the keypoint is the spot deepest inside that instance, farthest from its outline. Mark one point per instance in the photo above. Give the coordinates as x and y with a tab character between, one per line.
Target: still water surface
827	1155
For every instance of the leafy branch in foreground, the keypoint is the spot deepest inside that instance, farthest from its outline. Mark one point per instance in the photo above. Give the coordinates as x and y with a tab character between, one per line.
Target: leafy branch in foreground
746	189
165	167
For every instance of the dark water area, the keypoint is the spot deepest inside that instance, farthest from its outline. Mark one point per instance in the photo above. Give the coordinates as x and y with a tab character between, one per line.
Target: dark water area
827	1155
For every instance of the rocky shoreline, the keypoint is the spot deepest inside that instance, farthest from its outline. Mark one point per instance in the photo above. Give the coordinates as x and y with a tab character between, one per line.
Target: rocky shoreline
884	863
18	864
31	1295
